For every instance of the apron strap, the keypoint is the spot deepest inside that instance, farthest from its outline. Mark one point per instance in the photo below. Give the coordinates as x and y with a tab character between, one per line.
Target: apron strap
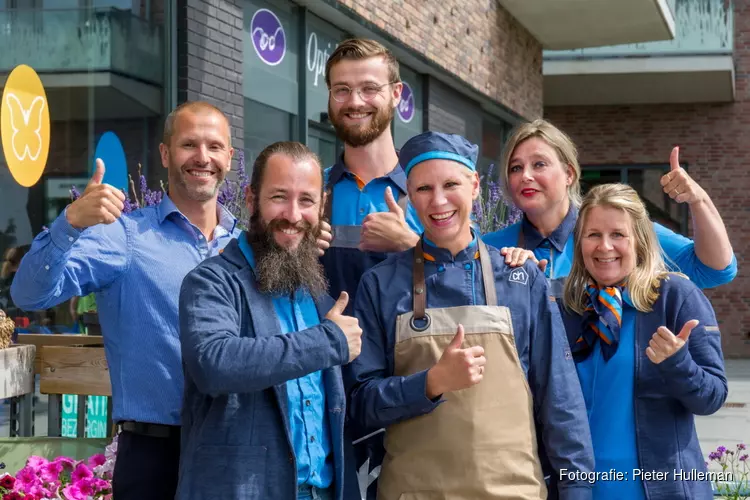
490	293
419	291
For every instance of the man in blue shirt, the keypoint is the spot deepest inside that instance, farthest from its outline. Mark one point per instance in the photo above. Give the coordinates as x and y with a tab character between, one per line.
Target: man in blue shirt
135	264
263	344
367	201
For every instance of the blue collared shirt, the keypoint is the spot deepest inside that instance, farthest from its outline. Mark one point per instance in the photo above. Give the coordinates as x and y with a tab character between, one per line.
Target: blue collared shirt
306	395
353	200
557	248
609	390
135	266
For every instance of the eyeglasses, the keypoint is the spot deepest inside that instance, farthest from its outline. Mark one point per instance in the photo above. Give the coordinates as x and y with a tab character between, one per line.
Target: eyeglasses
341	93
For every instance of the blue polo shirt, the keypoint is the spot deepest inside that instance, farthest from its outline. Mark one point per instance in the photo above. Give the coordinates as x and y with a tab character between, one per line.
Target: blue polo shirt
306	397
608	389
353	200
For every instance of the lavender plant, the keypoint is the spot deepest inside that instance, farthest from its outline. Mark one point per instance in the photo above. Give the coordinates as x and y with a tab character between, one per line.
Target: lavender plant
734	462
492	212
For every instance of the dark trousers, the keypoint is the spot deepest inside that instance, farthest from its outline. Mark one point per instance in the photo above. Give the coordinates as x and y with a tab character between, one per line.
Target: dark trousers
146	467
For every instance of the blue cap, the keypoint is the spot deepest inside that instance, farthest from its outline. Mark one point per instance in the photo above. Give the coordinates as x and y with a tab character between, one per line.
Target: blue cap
437	145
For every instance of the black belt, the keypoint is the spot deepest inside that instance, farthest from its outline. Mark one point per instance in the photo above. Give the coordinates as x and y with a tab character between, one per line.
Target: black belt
148	429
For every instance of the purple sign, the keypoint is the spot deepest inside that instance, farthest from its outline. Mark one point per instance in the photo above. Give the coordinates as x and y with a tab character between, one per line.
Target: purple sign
269	40
406	106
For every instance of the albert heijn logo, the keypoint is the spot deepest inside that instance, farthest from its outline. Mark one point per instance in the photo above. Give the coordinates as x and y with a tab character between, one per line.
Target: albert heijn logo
518	276
269	39
406	107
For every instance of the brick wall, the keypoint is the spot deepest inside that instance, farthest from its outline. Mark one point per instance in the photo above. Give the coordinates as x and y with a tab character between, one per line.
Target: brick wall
713	141
477	40
209	55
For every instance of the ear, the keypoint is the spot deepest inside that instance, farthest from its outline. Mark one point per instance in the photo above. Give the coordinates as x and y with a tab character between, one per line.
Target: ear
571	176
475	186
396	94
164	154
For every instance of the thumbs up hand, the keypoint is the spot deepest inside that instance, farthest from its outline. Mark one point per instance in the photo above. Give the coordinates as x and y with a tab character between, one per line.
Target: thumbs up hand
664	343
457	369
99	203
387	231
348	324
678	184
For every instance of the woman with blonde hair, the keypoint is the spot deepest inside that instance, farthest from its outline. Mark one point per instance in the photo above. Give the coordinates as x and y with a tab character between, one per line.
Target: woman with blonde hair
541	175
647	349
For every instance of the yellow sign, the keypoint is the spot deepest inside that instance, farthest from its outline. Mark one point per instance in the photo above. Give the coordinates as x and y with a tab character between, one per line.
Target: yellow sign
24	123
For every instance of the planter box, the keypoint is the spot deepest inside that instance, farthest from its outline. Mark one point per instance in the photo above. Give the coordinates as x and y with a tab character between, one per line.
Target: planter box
17	370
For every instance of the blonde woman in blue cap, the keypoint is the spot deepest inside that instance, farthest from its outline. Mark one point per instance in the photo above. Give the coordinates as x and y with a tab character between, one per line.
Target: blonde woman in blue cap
461	354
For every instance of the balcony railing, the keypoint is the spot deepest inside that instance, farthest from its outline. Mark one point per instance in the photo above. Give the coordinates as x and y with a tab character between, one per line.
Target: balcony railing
81	40
703	28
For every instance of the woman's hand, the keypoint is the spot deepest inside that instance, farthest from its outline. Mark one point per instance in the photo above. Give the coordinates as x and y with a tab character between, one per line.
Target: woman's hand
516	257
664	343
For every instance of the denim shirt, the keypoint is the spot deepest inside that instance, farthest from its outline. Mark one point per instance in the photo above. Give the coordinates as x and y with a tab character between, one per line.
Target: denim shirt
135	266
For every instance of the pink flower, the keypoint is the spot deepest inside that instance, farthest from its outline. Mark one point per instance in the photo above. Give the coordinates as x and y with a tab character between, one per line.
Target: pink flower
27	477
7	481
36	462
96	460
65	461
51	472
73	492
81	472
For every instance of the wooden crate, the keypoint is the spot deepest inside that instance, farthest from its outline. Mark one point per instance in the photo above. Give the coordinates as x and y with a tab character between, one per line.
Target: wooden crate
42	339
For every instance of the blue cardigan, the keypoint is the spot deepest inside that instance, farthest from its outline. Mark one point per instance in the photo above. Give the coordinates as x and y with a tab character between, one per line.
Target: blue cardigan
668	394
236	439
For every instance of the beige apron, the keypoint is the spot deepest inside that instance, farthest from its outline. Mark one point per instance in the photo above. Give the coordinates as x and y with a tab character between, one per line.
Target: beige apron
480	443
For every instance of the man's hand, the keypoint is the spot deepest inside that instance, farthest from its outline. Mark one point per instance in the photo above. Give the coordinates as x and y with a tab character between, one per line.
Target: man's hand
99	203
678	184
349	325
516	257
387	231
457	369
664	343
325	238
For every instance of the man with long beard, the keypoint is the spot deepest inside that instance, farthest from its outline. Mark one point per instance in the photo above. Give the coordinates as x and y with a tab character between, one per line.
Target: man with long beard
367	200
135	264
262	344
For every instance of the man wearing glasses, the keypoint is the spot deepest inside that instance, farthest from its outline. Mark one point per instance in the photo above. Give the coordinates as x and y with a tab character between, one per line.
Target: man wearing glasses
366	201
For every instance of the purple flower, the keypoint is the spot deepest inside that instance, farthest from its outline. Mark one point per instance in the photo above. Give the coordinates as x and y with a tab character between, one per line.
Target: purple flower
721	449
74	194
741	446
743	458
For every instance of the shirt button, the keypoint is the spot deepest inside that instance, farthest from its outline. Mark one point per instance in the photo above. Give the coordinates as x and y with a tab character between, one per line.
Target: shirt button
70	238
308	403
312	439
200	236
441	268
46	267
361	210
467	267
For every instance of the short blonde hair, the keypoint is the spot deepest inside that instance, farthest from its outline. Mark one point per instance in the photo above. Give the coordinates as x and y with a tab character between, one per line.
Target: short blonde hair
358	49
557	140
650	268
195	107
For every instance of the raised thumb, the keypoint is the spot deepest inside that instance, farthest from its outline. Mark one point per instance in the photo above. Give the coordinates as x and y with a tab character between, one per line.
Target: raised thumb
98	176
340	305
674	159
391	201
458	339
687	328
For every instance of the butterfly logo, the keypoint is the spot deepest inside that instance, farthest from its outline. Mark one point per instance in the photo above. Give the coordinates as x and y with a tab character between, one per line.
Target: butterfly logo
25	125
25	139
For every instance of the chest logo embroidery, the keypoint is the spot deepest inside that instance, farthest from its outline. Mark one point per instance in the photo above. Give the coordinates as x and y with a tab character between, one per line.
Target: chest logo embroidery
518	276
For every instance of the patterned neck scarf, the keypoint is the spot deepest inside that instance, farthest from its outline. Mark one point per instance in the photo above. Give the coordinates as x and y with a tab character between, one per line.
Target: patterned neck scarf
602	318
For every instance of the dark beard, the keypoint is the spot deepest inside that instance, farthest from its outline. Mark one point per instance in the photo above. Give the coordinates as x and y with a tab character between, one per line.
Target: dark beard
357	137
281	271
